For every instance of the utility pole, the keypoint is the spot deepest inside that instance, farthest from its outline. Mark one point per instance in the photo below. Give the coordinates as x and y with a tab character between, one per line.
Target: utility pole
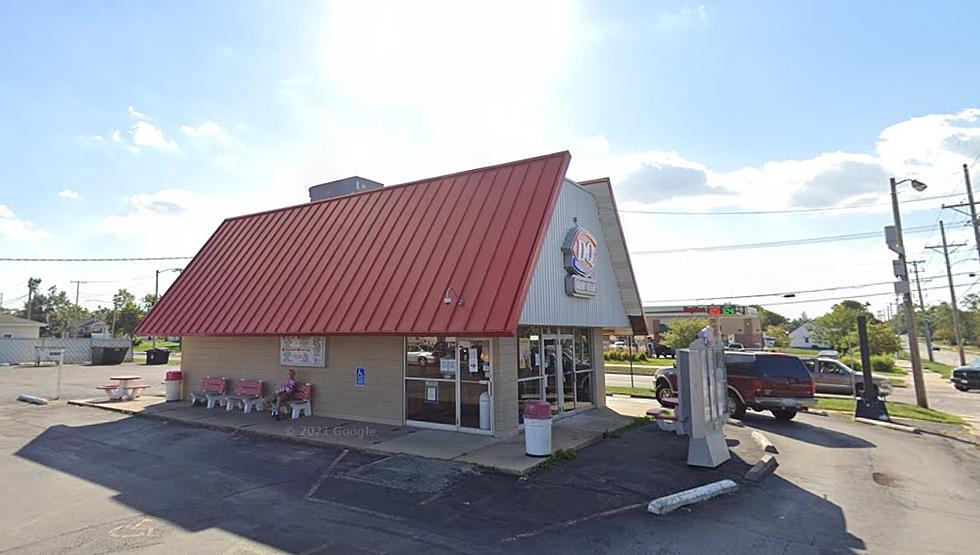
896	244
952	290
922	307
972	205
78	288
973	208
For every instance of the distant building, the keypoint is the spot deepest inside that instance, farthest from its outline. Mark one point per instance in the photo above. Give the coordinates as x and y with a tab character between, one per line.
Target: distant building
735	323
12	327
803	338
88	327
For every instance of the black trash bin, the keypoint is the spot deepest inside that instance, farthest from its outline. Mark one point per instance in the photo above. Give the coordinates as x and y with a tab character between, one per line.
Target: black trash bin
157	356
108	356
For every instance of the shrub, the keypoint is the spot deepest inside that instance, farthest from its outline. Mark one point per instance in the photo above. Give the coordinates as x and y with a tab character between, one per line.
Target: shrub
641	357
882	363
853	362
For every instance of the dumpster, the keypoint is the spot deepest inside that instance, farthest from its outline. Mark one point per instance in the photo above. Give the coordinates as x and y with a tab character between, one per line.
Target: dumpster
107	356
537	428
172	385
157	356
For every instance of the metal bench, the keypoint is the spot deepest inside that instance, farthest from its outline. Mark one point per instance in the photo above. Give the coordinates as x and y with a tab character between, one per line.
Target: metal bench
248	393
301	400
212	391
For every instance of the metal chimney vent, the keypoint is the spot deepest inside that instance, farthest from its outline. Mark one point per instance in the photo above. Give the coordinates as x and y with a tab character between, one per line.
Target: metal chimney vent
341	187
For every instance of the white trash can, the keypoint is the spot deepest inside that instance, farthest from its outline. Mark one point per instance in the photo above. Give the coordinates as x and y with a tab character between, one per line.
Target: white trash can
537	428
484	411
171	385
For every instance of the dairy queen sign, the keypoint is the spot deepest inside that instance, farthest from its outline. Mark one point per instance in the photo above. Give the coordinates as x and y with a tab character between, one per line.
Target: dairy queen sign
581	252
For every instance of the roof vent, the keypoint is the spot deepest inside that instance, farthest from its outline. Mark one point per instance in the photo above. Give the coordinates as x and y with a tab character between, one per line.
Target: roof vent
341	187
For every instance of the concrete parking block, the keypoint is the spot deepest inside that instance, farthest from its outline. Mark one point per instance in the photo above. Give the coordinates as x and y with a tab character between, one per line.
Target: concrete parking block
764	442
766	465
672	502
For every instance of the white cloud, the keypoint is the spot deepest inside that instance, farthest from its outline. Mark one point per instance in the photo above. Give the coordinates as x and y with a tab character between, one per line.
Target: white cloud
68	193
207	130
92	139
18	230
133	113
685	17
146	134
116	136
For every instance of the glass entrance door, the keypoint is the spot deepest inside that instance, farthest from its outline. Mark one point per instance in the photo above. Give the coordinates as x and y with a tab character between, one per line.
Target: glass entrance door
559	372
448	383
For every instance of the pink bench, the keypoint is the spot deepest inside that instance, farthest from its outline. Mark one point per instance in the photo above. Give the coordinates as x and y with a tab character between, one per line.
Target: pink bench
248	393
212	391
301	400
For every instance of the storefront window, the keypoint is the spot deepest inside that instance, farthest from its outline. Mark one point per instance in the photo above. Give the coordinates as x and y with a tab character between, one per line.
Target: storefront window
555	364
529	368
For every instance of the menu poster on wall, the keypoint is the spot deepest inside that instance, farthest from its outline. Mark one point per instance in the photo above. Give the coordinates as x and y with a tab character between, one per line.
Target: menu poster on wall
474	362
302	351
524	361
431	389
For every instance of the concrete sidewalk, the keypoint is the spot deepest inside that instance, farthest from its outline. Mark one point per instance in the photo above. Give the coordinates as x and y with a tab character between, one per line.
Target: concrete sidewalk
506	456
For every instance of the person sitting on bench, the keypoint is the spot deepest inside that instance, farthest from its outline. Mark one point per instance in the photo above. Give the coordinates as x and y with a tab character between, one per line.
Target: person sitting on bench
283	394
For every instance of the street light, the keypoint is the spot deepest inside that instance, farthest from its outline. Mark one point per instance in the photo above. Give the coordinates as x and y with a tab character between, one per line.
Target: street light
156	291
920	386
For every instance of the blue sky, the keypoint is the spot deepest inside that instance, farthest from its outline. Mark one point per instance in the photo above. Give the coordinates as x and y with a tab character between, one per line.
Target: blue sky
132	129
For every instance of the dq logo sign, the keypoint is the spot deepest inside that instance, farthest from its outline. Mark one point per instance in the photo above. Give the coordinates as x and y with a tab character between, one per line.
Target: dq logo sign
581	252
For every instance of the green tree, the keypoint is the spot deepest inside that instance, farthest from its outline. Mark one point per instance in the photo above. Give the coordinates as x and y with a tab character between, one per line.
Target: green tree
681	332
128	313
769	318
61	313
881	339
834	328
779	335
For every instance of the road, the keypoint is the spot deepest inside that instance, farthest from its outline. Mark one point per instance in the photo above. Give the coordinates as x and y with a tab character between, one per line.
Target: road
940	393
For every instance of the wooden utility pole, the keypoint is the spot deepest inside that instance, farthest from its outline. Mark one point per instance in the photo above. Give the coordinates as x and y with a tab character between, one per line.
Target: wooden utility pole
922	307
973	208
952	290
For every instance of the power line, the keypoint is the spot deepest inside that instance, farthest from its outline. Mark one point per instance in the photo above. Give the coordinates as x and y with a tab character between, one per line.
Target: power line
786	243
784	211
884	294
797	291
95	259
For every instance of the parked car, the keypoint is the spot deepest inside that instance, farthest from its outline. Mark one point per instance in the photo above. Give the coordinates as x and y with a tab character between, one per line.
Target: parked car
419	355
965	378
735	347
619	345
833	376
771	382
662	351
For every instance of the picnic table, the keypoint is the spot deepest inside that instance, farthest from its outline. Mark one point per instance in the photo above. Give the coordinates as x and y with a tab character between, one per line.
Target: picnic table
125	388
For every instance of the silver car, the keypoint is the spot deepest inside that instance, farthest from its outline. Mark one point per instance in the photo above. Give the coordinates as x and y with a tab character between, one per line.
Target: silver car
833	376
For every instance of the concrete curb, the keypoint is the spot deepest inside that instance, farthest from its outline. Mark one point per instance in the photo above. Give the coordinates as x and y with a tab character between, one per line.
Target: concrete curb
889	425
32	399
766	466
736	423
674	501
764	442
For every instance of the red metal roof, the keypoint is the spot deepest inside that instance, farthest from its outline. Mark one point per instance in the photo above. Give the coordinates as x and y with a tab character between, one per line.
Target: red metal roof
378	262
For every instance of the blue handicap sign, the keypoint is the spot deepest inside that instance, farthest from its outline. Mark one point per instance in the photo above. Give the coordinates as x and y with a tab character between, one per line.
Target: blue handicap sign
359	377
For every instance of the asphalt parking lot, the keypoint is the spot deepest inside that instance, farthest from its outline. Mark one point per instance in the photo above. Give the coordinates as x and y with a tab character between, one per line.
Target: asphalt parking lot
86	480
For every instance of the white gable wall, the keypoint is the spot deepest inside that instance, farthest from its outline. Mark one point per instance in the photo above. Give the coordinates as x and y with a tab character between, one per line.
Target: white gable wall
546	302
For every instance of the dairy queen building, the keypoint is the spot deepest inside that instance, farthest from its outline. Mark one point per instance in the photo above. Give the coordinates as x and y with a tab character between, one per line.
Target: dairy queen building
414	304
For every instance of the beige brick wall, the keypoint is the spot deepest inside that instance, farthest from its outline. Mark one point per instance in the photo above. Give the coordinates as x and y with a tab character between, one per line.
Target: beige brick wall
334	393
600	368
505	387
